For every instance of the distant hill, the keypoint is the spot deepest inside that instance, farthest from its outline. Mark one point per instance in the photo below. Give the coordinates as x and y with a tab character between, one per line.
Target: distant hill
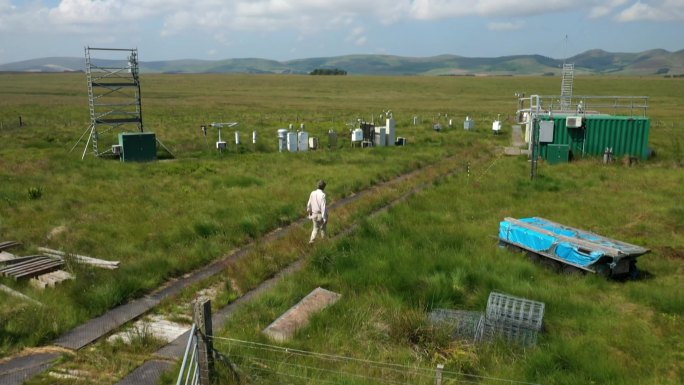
596	61
642	63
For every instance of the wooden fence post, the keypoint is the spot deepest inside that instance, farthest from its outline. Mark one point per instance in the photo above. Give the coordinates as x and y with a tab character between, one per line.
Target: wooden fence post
438	374
205	348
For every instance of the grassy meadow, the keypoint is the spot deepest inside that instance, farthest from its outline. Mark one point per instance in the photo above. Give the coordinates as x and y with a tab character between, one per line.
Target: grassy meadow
436	250
439	251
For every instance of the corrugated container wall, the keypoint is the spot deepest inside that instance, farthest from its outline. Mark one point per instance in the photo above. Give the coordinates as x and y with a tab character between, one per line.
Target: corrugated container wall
626	135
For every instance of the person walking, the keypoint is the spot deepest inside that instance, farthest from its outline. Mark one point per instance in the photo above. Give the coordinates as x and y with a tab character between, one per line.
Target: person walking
317	211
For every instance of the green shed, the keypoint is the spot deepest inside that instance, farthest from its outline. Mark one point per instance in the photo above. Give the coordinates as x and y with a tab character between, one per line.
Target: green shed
138	146
590	135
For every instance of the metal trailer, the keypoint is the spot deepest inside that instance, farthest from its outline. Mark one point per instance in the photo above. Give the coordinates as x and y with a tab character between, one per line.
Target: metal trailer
569	249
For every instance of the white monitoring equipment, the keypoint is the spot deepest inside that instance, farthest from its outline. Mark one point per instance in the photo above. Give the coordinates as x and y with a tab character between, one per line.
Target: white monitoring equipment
221	144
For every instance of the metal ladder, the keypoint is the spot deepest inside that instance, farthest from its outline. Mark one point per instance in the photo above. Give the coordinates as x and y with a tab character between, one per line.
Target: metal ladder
91	102
566	86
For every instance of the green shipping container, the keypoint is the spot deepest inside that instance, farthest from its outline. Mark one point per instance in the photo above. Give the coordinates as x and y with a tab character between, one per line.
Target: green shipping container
626	135
558	153
138	146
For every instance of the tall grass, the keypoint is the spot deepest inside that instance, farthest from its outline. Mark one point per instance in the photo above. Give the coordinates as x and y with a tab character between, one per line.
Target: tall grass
438	249
166	218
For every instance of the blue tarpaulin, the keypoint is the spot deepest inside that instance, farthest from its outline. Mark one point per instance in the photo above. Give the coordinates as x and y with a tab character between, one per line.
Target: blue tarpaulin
541	235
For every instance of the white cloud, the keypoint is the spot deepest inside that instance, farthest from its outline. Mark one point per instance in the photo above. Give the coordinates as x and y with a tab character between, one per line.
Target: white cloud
664	10
653	10
85	12
640	11
357	36
605	8
444	9
6	6
172	17
506	26
19	18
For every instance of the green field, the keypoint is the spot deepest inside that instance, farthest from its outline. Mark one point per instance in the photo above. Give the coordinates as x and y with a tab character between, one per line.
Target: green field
436	250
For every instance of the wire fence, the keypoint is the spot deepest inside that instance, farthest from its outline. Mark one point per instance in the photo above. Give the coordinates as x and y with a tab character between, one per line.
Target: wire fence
248	362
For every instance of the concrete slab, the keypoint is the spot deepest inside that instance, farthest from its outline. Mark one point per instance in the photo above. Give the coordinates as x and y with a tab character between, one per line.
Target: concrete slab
517	139
50	279
512	151
72	375
17	294
283	328
157	326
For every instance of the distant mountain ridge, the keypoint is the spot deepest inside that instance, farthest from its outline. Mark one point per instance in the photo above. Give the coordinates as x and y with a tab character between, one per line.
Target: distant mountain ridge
652	62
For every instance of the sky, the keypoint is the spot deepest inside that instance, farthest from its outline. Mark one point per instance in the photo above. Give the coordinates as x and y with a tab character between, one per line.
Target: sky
294	29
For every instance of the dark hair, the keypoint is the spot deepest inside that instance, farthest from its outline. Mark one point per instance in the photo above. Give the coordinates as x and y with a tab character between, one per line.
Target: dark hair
321	184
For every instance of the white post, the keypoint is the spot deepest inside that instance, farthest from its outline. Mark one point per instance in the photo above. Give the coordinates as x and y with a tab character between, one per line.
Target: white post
438	374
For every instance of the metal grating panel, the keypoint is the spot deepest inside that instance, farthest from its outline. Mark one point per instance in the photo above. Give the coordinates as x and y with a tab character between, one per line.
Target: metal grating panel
502	308
491	330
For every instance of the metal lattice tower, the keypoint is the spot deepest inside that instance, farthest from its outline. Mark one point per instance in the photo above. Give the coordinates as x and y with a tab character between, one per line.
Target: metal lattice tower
113	95
566	86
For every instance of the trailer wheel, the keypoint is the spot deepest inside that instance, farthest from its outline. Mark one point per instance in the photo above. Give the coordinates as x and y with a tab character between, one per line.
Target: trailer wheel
603	270
634	272
534	257
572	270
551	264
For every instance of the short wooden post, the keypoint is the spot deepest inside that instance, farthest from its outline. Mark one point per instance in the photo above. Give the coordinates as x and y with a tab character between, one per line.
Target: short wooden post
438	374
20	122
205	348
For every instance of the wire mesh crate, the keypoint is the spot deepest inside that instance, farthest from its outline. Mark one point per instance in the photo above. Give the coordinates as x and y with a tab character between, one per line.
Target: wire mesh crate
503	308
491	330
465	323
514	319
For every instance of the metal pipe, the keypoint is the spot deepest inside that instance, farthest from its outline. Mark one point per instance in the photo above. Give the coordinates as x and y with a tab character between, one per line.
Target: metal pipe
187	350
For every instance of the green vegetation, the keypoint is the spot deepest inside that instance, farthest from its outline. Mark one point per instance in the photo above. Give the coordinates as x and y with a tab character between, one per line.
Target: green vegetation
438	249
328	71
